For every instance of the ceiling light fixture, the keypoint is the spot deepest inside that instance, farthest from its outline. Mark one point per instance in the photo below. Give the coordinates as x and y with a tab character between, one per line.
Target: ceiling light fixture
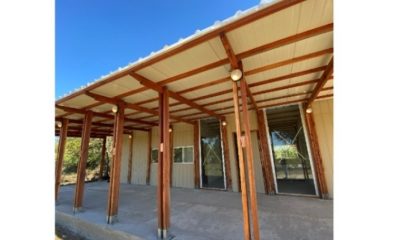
309	110
59	124
114	109
236	74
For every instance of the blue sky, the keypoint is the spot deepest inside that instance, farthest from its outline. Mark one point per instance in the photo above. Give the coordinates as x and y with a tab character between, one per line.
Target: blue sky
95	37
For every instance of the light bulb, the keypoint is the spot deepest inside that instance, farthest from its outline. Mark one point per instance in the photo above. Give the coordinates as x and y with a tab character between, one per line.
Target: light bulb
236	74
114	109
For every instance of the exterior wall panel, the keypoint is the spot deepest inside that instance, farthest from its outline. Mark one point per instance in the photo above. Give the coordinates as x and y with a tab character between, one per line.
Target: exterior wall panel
182	173
140	139
124	159
323	117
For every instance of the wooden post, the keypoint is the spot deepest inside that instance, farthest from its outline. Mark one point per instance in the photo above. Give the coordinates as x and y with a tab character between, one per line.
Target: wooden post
113	190
319	167
196	142
81	172
224	138
265	157
171	153
245	207
249	158
60	155
130	158
148	157
164	161
103	158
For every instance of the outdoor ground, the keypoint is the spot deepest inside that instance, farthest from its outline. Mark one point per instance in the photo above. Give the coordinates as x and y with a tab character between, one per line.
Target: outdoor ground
195	214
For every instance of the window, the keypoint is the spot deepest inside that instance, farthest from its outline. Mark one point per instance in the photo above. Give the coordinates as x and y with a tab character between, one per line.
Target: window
183	154
154	155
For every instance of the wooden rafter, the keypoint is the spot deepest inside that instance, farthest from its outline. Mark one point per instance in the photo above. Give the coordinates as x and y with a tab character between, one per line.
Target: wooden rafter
129	105
248	72
154	86
322	81
80	111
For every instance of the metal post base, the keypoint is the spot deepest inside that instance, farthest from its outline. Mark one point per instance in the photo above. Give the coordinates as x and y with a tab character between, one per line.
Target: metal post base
77	209
162	233
112	219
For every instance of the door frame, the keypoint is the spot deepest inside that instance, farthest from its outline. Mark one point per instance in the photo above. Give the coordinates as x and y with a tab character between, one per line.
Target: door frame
201	158
305	131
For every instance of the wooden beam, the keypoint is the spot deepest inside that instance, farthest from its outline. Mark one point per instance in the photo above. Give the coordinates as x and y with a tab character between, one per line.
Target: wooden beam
225	145
249	160
129	105
81	171
253	101
196	146
245	207
266	165
229	51
160	172
150	84
247	73
167	161
130	158
80	111
60	154
164	161
148	169
113	190
171	153
103	158
288	40
248	53
289	61
322	81
316	154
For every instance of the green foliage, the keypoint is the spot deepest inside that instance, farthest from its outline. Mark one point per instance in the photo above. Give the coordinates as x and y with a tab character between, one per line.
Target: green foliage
72	154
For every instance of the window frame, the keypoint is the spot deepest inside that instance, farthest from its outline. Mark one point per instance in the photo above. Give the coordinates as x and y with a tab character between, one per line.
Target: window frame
183	155
151	157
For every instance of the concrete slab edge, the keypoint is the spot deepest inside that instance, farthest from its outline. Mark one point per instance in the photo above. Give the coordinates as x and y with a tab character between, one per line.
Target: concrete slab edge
91	230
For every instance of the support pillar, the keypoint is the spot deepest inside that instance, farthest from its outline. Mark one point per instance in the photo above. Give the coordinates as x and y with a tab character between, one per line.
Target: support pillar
81	172
103	158
249	158
196	143
225	145
318	165
130	160
164	161
171	153
245	207
113	190
60	155
148	157
265	157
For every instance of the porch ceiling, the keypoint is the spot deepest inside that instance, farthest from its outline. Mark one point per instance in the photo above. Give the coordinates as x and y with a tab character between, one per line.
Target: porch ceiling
285	48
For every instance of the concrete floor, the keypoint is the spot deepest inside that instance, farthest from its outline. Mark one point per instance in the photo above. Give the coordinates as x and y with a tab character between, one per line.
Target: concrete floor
195	214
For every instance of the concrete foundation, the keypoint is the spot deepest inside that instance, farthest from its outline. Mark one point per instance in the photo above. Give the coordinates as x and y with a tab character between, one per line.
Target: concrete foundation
195	214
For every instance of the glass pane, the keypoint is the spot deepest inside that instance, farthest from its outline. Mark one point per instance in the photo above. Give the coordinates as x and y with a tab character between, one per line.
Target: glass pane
154	155
188	154
178	155
211	154
291	159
